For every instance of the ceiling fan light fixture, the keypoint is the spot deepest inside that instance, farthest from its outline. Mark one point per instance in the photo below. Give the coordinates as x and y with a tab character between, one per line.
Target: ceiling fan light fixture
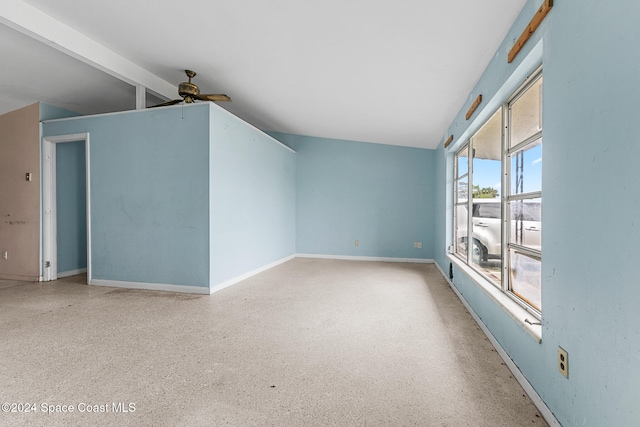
190	92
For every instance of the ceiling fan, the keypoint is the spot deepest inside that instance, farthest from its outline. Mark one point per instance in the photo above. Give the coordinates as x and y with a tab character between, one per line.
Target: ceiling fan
190	93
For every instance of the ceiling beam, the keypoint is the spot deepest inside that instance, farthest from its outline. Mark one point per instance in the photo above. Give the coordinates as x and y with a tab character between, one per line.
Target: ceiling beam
34	23
141	97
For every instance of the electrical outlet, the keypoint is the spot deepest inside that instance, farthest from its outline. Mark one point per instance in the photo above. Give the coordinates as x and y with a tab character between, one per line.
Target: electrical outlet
563	362
417	245
5	255
357	242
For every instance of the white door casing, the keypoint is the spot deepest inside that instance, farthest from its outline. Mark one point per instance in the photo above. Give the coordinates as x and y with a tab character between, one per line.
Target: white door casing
49	263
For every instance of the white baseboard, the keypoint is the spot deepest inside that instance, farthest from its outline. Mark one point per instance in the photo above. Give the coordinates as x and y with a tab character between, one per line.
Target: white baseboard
186	289
227	283
69	273
518	375
150	286
366	258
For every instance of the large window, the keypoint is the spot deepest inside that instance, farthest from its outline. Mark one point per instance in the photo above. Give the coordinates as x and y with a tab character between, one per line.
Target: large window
498	197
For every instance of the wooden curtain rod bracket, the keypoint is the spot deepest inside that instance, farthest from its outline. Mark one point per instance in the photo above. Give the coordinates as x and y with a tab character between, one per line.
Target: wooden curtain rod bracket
531	28
474	106
446	144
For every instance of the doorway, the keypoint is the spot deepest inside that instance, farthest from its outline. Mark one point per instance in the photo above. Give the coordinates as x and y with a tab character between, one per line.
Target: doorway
50	226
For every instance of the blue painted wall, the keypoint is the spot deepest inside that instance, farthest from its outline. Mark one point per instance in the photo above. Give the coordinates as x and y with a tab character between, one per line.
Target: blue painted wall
149	193
253	191
182	196
71	206
381	195
590	289
51	112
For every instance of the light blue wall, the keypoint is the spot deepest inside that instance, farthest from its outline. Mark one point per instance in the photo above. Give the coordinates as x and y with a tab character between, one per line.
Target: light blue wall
381	195
71	206
253	190
591	230
50	112
149	193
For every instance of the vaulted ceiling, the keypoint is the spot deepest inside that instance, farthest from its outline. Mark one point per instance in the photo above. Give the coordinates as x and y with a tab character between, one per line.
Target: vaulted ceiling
379	71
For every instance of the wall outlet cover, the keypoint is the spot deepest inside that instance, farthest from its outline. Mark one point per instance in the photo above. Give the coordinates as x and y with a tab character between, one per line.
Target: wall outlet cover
563	362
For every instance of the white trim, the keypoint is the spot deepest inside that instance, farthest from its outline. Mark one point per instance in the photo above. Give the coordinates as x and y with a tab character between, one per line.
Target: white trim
150	286
118	113
49	250
181	105
49	237
516	311
72	273
366	258
518	375
227	283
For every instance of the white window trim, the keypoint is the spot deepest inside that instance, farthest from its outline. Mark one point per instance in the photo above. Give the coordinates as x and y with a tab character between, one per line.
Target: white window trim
508	197
525	319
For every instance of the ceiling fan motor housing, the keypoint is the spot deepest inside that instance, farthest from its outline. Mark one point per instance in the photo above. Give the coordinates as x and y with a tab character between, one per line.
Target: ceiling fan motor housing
190	93
188	89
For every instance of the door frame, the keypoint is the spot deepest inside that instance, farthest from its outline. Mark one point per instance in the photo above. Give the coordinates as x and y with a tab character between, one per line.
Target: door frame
49	263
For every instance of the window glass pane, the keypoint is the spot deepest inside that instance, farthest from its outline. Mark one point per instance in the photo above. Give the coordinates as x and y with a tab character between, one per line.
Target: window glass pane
462	163
487	210
461	230
486	243
526	114
487	238
479	173
526	169
526	223
525	278
462	194
487	140
487	159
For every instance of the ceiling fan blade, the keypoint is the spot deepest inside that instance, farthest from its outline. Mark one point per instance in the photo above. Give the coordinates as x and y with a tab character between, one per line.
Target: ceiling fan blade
213	97
164	104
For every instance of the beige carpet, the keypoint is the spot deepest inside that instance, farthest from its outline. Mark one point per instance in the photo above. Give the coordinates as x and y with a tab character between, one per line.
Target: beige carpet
310	342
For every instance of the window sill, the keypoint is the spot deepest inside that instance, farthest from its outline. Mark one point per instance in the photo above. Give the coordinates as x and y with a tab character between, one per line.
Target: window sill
517	313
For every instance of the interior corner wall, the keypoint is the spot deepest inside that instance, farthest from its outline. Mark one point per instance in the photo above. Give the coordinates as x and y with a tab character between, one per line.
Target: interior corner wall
253	191
380	195
19	198
149	175
51	112
590	289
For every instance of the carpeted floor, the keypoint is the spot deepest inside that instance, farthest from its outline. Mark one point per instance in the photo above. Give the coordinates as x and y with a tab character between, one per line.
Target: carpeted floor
308	343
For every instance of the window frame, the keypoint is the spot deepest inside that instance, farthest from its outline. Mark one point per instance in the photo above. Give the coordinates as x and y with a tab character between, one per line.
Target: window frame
508	152
506	198
457	203
470	153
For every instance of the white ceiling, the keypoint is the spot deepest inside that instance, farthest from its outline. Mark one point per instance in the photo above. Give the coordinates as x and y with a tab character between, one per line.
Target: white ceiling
384	71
